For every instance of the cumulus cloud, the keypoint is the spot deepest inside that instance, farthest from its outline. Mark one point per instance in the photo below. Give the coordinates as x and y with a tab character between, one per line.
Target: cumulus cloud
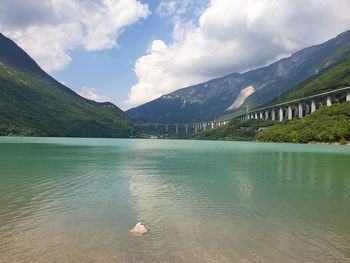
49	29
233	36
90	93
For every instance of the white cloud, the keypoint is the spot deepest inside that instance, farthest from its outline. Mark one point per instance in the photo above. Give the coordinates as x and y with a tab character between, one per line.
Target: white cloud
234	36
167	8
47	30
181	7
90	93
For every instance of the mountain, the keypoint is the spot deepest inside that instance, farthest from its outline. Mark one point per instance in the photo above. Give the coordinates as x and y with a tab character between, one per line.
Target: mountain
233	93
334	77
33	103
327	124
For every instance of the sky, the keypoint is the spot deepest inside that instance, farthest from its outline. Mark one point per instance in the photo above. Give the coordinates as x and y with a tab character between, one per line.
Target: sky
132	51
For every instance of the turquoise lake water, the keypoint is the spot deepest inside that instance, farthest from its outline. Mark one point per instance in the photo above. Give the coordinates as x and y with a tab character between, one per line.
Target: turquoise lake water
75	200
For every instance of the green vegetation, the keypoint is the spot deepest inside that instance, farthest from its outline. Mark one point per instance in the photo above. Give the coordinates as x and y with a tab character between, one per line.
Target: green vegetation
236	131
327	124
333	78
34	104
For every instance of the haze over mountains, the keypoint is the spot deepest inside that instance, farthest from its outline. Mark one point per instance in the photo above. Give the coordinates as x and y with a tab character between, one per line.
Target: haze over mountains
214	98
33	103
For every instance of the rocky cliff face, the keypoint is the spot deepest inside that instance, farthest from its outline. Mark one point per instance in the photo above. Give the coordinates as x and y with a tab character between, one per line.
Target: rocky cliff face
242	96
211	99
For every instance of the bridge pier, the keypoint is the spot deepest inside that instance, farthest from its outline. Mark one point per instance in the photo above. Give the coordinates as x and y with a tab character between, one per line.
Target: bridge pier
266	115
186	127
281	114
300	110
166	128
290	112
260	115
273	115
348	96
329	101
313	106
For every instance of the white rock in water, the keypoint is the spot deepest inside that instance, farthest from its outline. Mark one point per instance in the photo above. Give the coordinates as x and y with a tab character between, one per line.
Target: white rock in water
139	228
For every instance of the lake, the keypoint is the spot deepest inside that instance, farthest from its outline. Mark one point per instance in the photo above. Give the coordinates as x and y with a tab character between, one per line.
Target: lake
75	200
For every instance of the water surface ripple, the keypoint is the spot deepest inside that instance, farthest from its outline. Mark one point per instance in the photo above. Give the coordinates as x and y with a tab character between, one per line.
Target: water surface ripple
75	200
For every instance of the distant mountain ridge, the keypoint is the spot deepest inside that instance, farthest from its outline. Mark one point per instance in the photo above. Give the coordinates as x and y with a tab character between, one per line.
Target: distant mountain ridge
35	104
211	99
327	124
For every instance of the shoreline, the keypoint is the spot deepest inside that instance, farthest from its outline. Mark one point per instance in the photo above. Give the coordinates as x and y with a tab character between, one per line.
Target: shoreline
173	138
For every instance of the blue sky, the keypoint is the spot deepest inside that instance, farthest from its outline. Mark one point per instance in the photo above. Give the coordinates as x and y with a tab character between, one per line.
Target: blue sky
111	72
132	51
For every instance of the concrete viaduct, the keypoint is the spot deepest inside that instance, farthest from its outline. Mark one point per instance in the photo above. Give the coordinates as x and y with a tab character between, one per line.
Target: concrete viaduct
297	108
180	128
278	112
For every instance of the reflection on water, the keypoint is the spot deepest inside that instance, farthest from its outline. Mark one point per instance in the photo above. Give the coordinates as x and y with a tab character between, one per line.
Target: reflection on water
72	200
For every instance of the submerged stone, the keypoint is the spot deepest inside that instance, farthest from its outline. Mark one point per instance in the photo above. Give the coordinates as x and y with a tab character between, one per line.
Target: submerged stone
139	228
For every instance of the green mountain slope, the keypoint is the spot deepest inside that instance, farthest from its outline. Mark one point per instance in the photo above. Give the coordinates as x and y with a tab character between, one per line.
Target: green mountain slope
329	79
33	103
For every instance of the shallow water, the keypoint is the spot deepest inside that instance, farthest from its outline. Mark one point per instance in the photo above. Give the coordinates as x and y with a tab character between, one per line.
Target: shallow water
75	200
